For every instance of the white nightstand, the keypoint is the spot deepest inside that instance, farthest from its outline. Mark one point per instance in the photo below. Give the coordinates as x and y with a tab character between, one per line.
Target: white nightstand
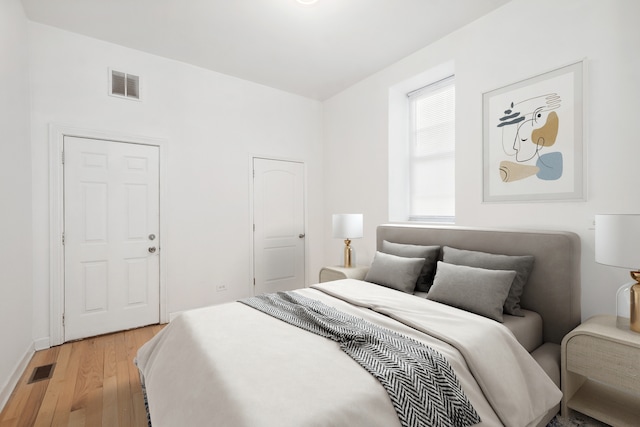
327	274
601	372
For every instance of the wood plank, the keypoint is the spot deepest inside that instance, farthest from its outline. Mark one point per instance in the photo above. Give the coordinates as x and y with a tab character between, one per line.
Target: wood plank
9	422
125	406
50	400
110	402
32	408
82	386
61	417
94	384
77	418
109	355
110	383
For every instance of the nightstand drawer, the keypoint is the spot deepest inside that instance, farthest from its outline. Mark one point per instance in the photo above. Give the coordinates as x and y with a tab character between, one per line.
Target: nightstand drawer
604	360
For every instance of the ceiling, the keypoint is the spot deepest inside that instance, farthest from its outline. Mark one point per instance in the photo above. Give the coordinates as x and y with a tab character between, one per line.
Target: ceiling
315	51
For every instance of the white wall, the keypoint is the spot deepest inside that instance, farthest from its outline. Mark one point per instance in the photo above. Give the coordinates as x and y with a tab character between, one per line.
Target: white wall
16	313
213	123
517	41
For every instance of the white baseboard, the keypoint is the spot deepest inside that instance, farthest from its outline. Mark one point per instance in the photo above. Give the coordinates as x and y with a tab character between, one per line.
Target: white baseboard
174	315
10	385
42	344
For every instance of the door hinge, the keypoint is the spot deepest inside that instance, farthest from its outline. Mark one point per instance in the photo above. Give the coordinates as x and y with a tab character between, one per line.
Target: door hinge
62	156
254	281
63	238
254	228
63	319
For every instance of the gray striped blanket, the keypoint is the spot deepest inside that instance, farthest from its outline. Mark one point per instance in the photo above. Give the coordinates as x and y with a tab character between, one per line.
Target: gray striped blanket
420	382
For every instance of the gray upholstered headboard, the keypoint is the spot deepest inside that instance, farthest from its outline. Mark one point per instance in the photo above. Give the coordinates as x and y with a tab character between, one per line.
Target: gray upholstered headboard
553	289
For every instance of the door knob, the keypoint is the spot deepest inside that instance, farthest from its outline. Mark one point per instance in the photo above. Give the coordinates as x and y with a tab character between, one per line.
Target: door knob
152	249
301	235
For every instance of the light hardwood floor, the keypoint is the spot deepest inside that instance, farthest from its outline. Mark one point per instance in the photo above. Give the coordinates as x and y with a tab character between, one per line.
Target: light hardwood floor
94	383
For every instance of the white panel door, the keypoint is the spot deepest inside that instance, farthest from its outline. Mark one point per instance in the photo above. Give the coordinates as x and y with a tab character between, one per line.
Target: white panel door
279	229
111	242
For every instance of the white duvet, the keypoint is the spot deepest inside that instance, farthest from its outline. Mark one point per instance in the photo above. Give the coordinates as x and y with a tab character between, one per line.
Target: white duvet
232	365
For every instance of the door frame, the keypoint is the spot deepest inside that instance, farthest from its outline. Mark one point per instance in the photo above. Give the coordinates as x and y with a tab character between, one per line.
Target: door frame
56	218
252	264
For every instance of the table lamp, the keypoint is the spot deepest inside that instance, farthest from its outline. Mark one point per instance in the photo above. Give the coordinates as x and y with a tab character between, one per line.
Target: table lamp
347	226
618	244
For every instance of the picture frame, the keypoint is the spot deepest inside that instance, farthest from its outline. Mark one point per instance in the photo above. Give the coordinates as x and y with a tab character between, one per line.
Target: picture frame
533	138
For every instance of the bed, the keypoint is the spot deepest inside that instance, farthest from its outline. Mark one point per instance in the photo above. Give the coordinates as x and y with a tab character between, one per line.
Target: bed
239	364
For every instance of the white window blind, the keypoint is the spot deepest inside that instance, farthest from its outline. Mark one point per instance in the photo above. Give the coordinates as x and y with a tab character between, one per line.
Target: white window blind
432	152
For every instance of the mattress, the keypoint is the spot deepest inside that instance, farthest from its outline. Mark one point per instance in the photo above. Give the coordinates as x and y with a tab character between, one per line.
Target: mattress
527	330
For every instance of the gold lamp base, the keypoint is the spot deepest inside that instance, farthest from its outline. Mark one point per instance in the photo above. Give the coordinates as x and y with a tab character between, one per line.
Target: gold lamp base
634	308
347	253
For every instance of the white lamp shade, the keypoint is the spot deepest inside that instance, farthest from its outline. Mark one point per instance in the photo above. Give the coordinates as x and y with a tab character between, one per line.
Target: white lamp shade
618	240
347	226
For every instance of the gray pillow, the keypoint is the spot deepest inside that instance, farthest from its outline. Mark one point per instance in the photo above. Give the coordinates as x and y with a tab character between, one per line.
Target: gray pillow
521	264
394	272
472	289
429	253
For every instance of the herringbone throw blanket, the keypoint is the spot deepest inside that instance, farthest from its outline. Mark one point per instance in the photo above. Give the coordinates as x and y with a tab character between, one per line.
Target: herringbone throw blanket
420	382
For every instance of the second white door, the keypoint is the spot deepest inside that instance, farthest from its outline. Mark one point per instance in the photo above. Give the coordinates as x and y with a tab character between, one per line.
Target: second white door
111	226
279	226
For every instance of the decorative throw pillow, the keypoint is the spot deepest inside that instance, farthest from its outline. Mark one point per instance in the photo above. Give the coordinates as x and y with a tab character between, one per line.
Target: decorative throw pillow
521	264
477	290
429	253
394	272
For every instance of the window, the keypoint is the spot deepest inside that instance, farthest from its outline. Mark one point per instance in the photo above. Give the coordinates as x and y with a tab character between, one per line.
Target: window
432	152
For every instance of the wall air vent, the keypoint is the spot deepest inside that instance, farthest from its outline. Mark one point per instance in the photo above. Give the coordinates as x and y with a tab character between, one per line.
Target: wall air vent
124	85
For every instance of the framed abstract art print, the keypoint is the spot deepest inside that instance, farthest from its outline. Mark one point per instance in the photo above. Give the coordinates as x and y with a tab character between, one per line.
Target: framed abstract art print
533	138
